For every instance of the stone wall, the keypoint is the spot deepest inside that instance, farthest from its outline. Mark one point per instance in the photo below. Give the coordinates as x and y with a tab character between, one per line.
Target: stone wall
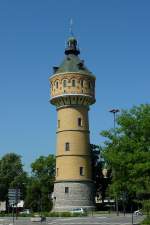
80	194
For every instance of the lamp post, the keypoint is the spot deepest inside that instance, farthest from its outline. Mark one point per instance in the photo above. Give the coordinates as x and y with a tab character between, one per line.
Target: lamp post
115	111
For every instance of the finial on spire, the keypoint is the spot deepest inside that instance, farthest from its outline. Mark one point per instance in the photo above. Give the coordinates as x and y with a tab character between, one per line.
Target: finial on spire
72	45
71	27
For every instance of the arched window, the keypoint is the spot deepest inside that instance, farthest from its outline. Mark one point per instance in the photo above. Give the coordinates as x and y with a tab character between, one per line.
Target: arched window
73	83
81	171
82	83
57	171
79	122
56	84
58	123
67	146
90	84
64	83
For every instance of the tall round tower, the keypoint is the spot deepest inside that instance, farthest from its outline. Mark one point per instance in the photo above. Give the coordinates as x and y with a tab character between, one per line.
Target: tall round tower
72	91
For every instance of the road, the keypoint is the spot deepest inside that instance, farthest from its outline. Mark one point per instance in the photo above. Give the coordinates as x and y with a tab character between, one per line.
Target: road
91	220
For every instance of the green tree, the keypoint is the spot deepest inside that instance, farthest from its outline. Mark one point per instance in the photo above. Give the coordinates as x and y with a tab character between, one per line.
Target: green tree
98	164
41	184
3	191
12	174
127	152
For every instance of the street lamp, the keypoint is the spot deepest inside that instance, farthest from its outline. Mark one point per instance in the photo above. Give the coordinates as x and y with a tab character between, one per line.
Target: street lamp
115	111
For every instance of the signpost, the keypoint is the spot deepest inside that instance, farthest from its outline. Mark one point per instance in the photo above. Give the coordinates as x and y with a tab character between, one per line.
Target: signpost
13	199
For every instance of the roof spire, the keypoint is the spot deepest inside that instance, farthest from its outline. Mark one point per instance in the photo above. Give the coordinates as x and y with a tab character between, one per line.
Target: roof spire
71	27
72	44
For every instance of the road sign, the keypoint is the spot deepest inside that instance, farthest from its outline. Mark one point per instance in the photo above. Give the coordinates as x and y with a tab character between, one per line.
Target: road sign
12	202
13	191
13	196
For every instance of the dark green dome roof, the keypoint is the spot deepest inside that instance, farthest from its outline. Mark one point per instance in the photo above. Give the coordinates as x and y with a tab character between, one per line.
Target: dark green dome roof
72	62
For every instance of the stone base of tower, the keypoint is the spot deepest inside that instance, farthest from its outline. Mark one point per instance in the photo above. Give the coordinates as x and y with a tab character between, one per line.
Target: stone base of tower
73	194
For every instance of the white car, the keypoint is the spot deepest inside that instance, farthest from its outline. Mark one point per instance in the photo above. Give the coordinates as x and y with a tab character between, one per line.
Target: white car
38	218
78	210
25	211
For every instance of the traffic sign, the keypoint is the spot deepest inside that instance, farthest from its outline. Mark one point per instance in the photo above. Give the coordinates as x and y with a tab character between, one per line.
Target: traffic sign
13	196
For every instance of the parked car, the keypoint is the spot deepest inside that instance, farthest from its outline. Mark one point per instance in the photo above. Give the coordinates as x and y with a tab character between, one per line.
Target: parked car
78	210
138	212
38	218
25	211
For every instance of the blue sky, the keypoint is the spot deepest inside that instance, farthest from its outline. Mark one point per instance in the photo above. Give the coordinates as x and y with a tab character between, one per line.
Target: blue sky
114	39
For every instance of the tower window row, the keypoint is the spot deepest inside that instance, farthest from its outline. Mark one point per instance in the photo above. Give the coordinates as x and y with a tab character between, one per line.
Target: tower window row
81	171
79	122
73	83
65	83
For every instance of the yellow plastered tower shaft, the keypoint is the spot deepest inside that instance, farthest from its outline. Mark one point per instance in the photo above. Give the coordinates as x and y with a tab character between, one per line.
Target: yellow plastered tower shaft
69	162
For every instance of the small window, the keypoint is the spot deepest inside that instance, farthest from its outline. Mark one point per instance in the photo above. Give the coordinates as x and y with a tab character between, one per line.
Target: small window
89	84
56	84
67	146
64	83
79	122
57	171
66	190
58	124
73	83
81	83
81	171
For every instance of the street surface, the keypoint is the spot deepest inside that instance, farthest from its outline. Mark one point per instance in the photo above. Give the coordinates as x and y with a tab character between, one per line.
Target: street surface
91	220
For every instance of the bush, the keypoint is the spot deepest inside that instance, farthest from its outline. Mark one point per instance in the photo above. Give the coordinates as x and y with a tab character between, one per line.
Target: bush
146	221
65	214
146	206
53	214
5	214
2	214
46	214
24	215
